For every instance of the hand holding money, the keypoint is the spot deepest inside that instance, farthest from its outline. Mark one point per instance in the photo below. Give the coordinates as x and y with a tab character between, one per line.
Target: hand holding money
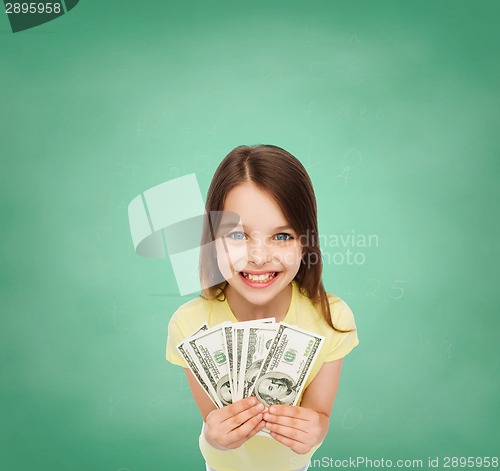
299	428
234	424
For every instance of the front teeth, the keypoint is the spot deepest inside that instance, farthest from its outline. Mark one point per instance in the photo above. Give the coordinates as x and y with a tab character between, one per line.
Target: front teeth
259	278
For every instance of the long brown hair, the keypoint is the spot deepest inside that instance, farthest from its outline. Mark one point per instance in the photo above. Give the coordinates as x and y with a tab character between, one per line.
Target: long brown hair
284	178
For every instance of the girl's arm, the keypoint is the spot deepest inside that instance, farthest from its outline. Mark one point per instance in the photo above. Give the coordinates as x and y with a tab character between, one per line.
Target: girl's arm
230	426
303	427
201	398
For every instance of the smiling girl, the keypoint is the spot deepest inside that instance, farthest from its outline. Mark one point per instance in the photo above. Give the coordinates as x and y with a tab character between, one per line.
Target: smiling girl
269	259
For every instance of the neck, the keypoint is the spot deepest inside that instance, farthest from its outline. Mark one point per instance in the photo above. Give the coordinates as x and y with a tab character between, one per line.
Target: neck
246	311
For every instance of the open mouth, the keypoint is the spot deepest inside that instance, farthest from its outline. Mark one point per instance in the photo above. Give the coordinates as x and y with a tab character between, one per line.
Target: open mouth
261	278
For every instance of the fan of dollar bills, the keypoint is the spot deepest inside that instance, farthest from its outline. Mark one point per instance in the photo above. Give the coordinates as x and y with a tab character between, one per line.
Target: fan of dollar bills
268	360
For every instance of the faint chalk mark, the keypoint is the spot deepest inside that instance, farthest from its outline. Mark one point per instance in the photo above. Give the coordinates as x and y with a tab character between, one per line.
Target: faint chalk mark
112	405
352	414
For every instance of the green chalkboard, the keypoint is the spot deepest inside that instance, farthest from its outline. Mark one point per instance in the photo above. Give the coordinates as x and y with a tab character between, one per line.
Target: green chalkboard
393	108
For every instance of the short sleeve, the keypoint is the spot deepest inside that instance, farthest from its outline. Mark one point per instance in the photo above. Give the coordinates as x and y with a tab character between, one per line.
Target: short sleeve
175	337
343	319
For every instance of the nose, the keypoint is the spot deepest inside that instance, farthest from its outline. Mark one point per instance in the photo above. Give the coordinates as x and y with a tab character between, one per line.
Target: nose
259	253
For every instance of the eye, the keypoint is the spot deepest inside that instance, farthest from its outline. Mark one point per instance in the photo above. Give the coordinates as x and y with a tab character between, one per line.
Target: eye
236	235
283	236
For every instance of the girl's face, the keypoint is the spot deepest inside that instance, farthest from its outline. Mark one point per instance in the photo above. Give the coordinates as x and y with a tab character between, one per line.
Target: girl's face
261	255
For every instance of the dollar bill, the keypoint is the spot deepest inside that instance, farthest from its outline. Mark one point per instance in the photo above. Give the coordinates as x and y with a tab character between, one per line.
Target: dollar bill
196	368
257	340
208	348
240	339
227	341
237	349
287	365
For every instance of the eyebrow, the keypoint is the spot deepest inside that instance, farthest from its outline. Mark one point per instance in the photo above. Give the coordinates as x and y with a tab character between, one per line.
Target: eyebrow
282	228
232	226
228	225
